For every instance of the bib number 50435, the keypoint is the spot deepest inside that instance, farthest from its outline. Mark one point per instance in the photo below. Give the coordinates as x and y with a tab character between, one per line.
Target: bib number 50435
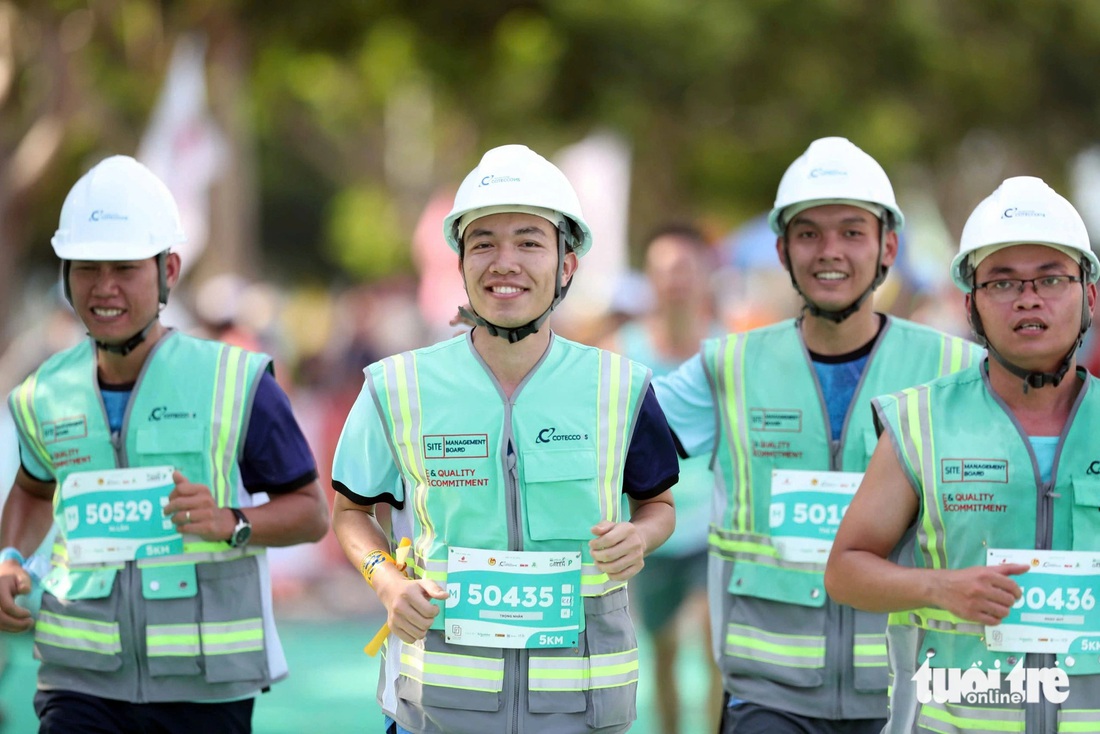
527	596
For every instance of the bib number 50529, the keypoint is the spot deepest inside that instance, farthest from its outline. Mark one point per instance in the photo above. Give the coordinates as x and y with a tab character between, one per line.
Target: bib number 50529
105	513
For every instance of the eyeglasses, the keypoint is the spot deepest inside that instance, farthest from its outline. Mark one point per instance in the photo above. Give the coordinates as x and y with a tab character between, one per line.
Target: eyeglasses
1005	290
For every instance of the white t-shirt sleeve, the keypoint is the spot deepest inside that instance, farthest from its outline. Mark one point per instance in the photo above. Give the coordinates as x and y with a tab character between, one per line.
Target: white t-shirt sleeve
686	399
363	463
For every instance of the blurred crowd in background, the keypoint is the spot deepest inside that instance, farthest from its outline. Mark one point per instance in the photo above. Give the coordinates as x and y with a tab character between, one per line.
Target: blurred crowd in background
315	148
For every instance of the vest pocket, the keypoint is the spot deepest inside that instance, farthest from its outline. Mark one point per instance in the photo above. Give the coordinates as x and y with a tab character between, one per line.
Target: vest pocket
183	447
434	674
560	494
231	624
869	652
612	650
80	632
805	588
774	640
172	641
1086	514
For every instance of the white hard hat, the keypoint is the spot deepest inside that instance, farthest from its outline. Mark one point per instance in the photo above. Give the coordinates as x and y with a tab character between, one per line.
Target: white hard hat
119	210
834	171
514	178
1022	211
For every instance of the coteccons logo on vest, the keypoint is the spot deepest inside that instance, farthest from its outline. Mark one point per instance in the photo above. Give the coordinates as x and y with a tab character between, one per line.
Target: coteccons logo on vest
978	686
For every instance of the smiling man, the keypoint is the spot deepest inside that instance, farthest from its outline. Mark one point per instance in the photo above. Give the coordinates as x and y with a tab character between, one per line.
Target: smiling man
783	410
505	453
980	470
156	614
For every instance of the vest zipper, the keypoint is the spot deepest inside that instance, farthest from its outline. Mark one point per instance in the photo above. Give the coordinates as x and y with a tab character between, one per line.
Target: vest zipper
513	658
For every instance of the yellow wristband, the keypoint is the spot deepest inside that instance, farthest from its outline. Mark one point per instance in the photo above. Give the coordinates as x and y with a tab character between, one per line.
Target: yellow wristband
371	561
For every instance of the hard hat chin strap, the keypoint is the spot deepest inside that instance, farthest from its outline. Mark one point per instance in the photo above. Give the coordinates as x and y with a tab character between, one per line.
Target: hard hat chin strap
843	314
514	334
130	344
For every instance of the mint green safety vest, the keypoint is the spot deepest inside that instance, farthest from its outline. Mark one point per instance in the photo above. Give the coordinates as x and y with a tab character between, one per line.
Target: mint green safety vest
783	643
979	488
179	628
692	491
569	426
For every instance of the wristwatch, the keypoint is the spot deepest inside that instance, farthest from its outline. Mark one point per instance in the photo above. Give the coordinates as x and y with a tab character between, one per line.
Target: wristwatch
242	532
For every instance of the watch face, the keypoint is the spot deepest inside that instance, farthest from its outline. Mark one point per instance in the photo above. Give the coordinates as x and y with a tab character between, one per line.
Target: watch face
241	536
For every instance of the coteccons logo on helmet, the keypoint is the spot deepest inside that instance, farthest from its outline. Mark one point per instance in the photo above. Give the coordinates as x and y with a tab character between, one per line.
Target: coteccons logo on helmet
819	172
1014	212
100	215
491	179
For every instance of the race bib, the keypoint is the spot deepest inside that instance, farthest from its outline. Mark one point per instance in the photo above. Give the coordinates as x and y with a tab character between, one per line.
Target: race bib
806	509
117	515
513	599
1057	612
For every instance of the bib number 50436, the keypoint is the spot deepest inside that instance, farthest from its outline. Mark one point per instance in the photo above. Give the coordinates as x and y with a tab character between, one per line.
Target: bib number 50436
1069	599
527	596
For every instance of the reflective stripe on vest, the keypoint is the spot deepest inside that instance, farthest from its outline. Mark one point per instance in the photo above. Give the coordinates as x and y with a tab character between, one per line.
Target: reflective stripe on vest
798	651
614	417
208	638
735	425
732	546
224	638
75	633
937	619
915	419
546	674
869	650
450	670
957	719
402	395
1078	720
230	400
22	411
172	640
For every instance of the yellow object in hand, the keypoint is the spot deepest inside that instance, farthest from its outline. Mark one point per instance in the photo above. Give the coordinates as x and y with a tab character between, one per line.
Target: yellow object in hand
401	560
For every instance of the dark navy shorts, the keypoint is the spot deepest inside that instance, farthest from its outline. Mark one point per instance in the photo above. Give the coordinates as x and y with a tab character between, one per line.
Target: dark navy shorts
68	712
742	717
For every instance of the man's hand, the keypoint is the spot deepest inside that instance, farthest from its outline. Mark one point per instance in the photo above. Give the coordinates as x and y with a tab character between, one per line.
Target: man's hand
982	594
618	549
192	508
408	604
14	580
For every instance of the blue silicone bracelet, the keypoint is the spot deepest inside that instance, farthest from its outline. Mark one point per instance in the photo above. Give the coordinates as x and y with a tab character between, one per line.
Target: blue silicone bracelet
12	554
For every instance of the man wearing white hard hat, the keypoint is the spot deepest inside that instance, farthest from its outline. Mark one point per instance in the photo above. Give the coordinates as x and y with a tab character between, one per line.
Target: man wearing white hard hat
146	447
977	525
504	454
783	411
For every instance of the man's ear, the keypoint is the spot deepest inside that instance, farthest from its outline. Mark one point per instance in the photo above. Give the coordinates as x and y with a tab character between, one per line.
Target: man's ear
172	268
781	253
569	267
890	248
